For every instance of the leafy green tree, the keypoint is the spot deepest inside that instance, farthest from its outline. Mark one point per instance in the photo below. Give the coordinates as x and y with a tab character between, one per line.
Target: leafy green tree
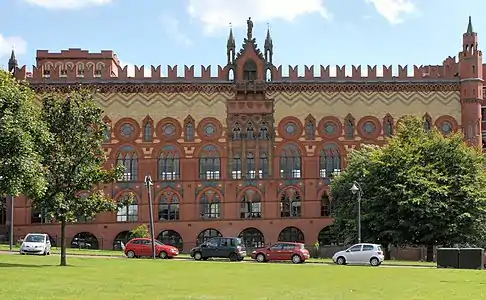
21	131
74	161
420	189
140	231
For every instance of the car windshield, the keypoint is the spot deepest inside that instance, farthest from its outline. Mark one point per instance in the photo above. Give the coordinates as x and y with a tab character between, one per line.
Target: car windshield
157	242
302	246
35	238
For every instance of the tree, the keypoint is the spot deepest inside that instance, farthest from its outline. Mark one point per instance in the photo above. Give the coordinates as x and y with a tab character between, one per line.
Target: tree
21	131
140	231
422	188
73	160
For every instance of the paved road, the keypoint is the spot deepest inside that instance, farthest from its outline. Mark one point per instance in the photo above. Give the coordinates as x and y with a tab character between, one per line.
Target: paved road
3	252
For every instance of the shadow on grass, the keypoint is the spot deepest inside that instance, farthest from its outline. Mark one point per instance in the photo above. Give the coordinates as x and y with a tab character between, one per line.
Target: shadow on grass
12	265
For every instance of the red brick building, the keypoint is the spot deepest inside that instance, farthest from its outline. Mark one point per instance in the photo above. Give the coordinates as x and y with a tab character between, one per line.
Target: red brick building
249	149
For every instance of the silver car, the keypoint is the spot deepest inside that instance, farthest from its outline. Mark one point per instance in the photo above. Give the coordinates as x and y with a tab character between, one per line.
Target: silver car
362	254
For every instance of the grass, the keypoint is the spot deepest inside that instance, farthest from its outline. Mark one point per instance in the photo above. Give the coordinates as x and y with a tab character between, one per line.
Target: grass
39	277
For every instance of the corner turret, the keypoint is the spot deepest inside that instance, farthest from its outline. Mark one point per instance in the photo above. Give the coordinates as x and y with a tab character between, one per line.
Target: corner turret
231	47
268	48
12	62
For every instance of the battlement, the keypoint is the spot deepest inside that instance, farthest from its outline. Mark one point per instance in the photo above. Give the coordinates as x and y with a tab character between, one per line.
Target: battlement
98	73
75	54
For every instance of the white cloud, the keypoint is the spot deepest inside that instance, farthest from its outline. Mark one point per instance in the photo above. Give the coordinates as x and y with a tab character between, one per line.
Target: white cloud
67	4
7	43
131	69
393	10
171	27
217	14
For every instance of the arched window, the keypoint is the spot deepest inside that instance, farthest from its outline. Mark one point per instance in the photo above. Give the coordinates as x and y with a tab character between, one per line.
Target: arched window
290	203
189	129
325	205
169	207
210	205
80	69
39	216
169	163
128	213
263	131
206	235
251	172
147	132
349	127
98	70
290	162
127	157
329	161
236	167
264	168
253	238
250	70
291	235
251	205
388	126
310	128
85	240
250	132
236	135
327	237
171	237
427	123
107	133
209	163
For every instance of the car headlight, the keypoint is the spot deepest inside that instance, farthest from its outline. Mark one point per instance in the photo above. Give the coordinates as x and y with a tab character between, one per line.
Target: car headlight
254	252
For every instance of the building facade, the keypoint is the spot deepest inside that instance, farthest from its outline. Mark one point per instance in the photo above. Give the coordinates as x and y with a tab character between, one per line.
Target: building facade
249	151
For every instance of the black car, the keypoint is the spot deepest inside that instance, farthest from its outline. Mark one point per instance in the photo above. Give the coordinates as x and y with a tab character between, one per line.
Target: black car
220	247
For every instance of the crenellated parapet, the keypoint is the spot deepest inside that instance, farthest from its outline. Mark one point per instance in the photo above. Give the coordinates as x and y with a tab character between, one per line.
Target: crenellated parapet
102	72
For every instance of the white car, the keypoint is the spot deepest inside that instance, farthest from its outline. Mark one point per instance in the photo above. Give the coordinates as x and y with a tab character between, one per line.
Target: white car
36	243
360	254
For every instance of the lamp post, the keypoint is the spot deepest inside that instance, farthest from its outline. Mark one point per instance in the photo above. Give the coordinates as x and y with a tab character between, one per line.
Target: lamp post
356	189
148	184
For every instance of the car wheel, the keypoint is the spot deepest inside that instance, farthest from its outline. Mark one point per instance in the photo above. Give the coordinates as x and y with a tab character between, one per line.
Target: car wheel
197	256
260	258
296	259
375	262
44	253
233	257
163	254
130	254
341	260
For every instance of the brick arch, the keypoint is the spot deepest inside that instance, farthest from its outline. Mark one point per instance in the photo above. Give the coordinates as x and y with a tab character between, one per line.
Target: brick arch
281	193
119	148
446	118
291	137
200	147
243	191
159	147
123	191
118	126
363	134
299	145
168	120
209	120
321	146
209	188
330	119
166	190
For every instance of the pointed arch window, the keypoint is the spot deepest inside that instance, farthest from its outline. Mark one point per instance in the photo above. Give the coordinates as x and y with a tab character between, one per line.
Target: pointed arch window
148	132
128	213
209	163
290	162
169	207
236	135
236	167
127	157
325	205
263	131
189	129
349	124
290	203
169	163
251	172
250	132
310	129
264	166
427	123
80	70
388	126
329	161
250	70
251	205
210	205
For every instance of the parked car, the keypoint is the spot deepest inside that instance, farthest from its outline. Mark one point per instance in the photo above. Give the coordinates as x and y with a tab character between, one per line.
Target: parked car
36	243
139	247
294	252
360	254
220	247
80	243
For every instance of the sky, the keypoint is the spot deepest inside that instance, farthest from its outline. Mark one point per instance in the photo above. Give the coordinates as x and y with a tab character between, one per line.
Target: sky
194	32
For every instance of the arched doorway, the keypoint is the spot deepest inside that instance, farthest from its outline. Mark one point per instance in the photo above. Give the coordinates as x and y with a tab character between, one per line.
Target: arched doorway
121	238
207	234
291	234
171	237
326	237
253	238
85	240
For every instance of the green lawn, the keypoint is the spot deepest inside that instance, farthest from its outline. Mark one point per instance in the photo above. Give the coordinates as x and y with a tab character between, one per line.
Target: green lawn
39	277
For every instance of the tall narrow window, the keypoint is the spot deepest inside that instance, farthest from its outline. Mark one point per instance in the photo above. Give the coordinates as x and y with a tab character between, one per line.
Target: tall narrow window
250	70
388	126
290	162
189	129
349	127
310	128
236	167
263	132
147	132
236	135
251	172
210	205
250	133
169	207
427	122
290	204
329	161
127	157
169	163
251	206
325	205
264	167
209	163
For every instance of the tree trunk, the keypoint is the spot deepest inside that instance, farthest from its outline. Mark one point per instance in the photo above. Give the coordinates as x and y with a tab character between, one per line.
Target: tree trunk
430	253
63	243
386	251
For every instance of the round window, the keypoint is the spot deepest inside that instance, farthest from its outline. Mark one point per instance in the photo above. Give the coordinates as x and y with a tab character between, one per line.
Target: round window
209	129
446	127
127	129
369	127
330	128
291	128
169	129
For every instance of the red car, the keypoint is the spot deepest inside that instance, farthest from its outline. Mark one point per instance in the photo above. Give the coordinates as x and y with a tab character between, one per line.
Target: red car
294	252
139	247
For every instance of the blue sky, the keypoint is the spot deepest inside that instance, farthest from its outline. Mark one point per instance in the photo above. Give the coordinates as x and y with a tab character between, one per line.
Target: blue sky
189	32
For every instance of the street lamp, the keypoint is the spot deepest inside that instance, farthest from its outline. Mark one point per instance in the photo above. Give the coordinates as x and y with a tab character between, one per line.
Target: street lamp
356	189
148	184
